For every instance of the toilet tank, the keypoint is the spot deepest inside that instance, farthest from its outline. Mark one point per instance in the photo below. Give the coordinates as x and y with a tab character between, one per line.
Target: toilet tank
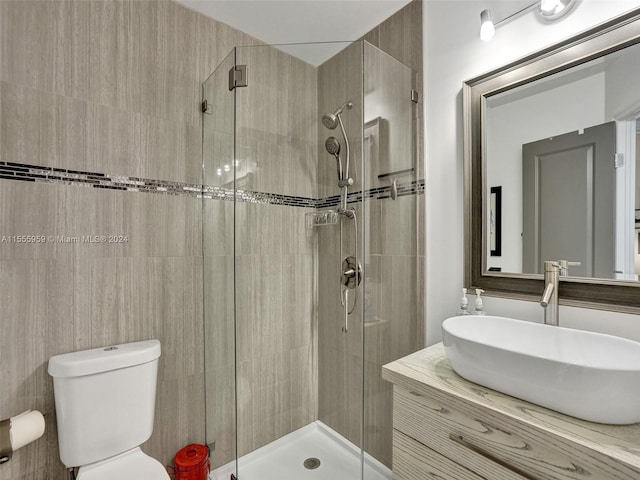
105	400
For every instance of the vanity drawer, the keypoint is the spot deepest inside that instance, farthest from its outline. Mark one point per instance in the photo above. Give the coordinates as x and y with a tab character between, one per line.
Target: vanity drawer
413	461
496	446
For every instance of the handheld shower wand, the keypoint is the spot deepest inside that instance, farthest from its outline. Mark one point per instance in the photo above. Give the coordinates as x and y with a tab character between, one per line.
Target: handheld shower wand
333	147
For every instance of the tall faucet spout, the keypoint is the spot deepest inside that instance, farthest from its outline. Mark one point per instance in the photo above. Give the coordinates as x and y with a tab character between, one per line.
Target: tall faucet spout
549	299
546	296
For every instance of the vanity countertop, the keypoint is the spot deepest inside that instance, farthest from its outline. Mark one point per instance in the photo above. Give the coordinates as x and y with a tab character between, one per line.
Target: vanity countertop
428	371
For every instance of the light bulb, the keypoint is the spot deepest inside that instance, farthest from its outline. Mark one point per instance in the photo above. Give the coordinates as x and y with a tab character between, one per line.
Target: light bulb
219	172
227	167
487	29
551	6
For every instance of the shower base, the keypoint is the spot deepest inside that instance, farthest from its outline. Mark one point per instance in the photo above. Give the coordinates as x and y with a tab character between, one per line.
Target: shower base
284	459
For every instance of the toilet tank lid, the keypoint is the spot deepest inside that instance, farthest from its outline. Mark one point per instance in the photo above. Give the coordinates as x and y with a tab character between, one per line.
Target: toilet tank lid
103	359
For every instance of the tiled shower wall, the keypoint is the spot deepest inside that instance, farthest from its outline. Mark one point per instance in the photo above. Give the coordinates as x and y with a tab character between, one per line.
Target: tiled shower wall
394	264
273	366
276	122
340	379
102	88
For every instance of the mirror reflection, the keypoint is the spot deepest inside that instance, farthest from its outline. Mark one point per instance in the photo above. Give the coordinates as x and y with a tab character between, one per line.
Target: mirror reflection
561	151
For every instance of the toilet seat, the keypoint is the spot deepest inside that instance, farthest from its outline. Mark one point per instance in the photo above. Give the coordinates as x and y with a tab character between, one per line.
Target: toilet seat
131	465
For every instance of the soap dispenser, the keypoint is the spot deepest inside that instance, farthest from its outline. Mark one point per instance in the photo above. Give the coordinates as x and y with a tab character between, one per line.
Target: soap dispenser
479	305
464	303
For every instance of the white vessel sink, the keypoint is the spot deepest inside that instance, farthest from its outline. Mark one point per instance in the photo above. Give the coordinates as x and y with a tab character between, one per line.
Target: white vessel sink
587	375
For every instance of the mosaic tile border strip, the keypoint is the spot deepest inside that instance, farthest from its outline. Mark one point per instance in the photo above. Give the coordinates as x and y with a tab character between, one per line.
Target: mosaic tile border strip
415	187
35	173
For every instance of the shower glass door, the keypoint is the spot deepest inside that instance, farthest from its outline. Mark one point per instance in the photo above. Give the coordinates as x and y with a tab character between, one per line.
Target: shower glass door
393	212
218	266
311	250
279	333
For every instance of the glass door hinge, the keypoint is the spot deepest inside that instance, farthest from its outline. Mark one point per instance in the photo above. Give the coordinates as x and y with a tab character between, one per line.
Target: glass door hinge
238	76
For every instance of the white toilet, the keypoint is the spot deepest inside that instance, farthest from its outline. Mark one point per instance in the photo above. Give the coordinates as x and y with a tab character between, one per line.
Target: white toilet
105	400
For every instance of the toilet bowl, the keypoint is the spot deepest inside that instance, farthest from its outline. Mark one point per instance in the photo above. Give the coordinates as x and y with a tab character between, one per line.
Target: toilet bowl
105	403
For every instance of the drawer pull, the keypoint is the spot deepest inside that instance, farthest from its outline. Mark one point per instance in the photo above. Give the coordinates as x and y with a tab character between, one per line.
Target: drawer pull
460	440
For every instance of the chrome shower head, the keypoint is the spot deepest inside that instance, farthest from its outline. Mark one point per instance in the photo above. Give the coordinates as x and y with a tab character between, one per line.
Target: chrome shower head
333	146
330	120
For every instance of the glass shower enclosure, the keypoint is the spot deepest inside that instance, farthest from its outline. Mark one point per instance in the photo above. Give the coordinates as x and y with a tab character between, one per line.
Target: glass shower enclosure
312	263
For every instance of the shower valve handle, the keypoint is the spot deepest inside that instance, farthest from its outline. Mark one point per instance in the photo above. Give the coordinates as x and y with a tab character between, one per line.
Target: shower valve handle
351	273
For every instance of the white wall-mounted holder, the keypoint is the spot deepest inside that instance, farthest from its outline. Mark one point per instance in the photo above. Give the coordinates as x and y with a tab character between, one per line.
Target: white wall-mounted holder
6	452
18	431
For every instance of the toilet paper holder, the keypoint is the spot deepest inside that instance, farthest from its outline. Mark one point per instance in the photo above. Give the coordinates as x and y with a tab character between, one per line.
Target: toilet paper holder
18	431
5	441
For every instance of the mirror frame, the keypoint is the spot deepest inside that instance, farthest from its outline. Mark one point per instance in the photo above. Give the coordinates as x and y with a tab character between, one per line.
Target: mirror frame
608	37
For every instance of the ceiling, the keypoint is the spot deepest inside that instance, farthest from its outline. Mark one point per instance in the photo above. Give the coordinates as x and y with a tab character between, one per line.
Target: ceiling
301	21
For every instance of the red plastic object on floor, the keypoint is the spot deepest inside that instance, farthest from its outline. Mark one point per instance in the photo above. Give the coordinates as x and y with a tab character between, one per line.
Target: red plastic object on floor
192	463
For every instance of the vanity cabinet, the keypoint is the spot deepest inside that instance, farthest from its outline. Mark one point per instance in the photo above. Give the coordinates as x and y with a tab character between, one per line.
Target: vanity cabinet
446	427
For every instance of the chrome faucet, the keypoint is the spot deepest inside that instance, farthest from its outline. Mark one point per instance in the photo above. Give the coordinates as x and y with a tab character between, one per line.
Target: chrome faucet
564	267
549	299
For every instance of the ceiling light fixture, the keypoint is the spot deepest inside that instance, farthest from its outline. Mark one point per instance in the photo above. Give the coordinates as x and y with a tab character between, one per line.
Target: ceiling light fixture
554	9
549	10
487	29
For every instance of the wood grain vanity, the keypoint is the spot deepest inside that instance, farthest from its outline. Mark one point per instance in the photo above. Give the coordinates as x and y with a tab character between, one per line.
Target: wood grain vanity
446	427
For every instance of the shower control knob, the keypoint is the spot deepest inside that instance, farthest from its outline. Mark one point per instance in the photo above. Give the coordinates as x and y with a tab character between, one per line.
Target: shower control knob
351	272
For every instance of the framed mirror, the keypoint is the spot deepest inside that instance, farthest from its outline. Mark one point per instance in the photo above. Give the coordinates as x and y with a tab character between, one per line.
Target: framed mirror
557	133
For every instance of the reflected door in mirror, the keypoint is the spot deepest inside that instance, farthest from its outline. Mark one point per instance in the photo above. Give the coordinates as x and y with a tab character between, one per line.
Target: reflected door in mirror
569	202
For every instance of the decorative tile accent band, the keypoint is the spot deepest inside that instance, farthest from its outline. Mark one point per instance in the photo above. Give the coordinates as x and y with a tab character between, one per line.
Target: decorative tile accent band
35	173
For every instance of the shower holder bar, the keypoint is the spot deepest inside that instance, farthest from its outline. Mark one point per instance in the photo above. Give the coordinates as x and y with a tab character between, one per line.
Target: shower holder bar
393	178
397	173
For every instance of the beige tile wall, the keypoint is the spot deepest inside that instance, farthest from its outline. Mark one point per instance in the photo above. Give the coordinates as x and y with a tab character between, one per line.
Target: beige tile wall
340	379
275	253
275	149
394	261
112	87
277	123
401	37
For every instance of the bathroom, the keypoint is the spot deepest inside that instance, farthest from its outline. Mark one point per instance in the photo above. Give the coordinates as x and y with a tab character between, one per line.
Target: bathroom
244	296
